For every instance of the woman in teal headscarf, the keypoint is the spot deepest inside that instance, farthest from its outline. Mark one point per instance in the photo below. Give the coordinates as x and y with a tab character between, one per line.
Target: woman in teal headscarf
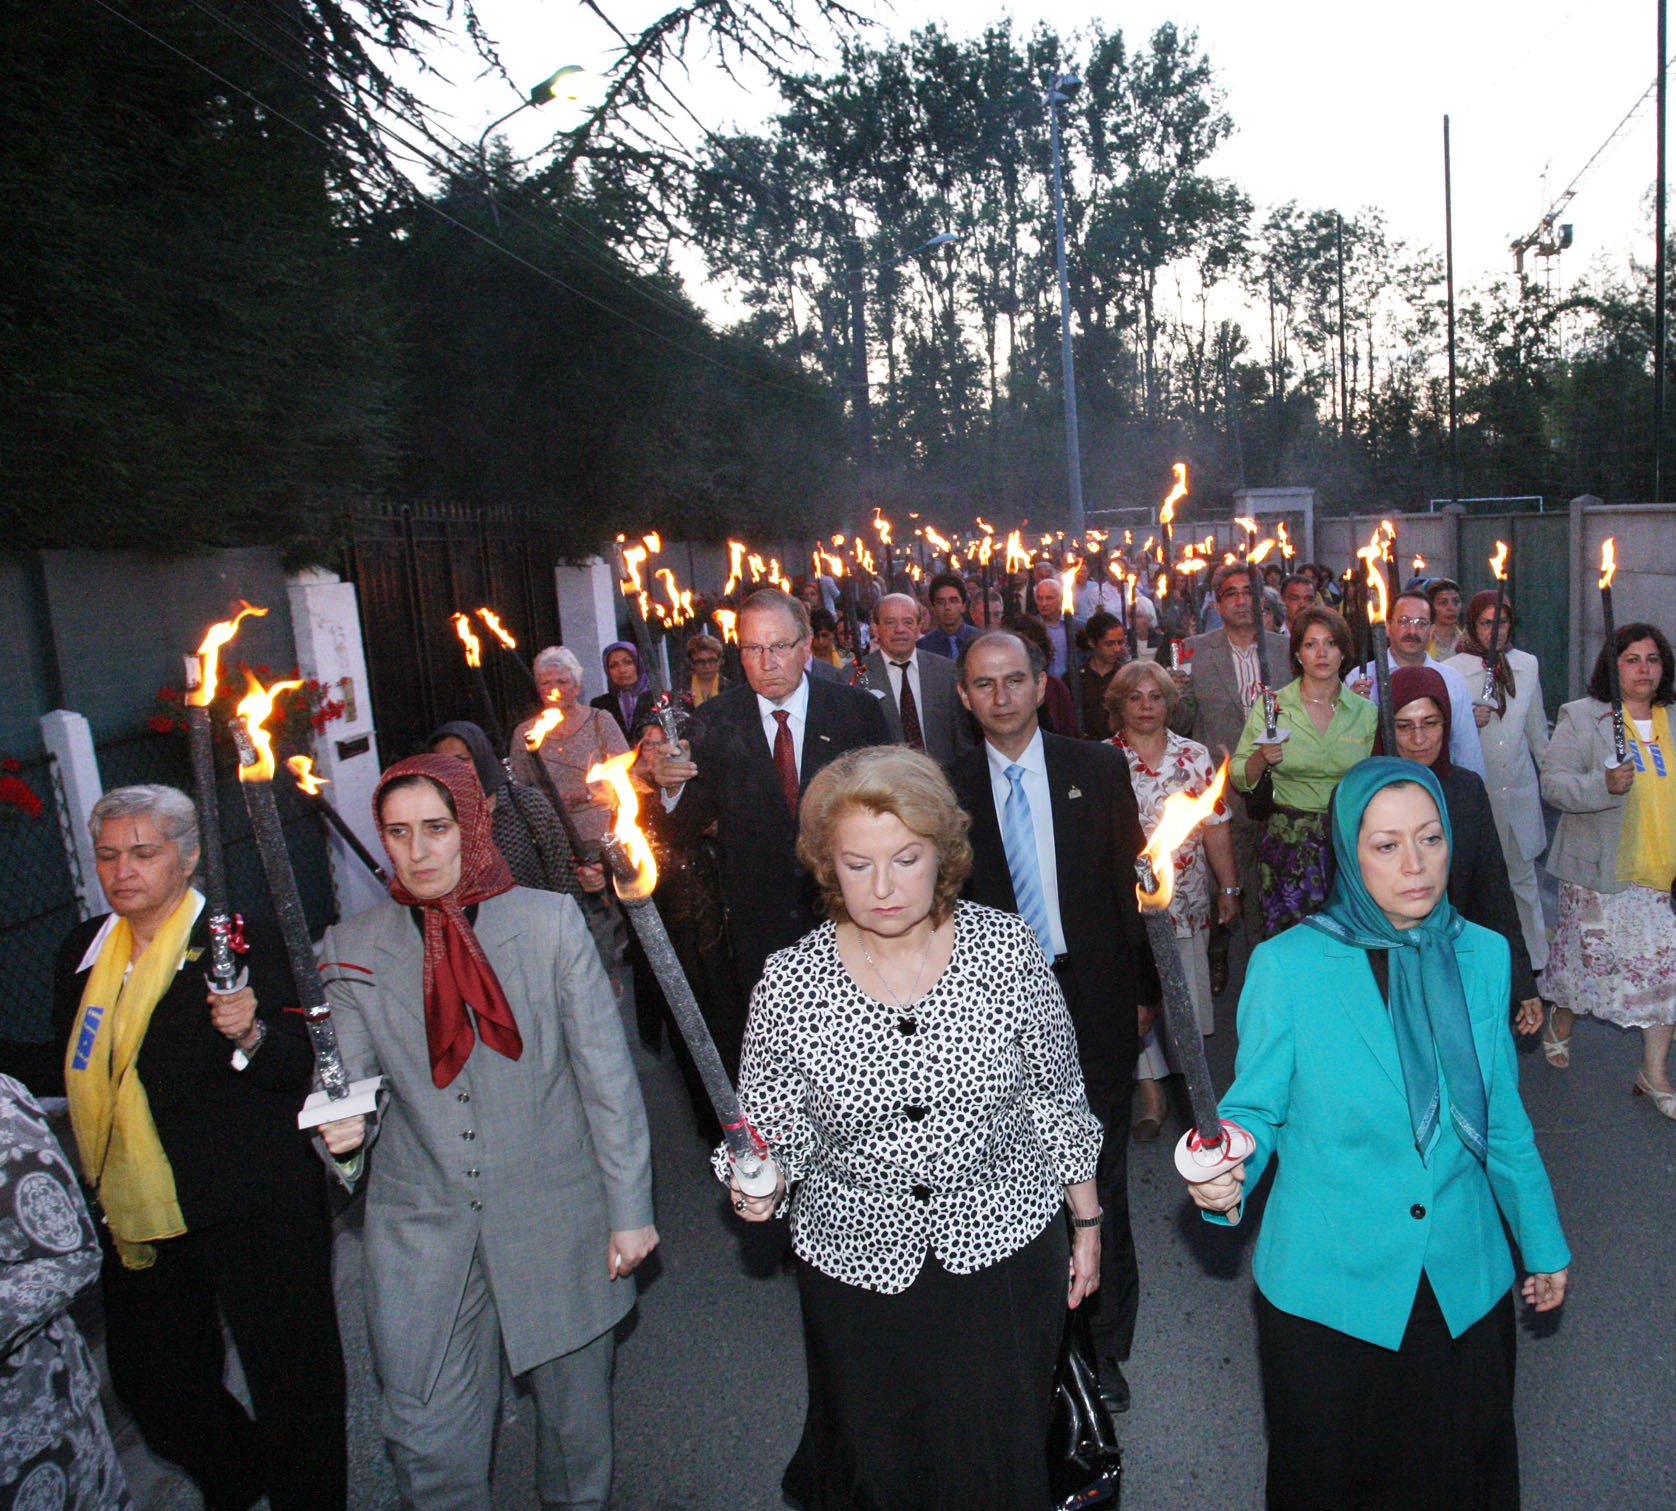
1387	1097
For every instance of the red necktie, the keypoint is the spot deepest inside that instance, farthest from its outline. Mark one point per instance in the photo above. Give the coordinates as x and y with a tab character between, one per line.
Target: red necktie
785	761
911	731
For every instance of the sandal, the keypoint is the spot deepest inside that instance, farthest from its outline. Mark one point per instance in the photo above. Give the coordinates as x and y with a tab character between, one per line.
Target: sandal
1557	1050
1663	1101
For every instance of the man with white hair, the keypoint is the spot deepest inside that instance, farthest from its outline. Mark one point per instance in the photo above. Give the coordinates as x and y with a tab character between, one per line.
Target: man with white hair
916	687
1050	610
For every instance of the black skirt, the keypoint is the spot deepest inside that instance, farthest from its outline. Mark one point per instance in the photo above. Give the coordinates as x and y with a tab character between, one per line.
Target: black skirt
936	1398
1426	1427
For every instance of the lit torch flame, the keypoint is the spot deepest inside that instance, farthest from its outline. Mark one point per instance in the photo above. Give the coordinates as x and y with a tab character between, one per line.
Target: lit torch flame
546	722
728	622
1285	540
614	772
1259	553
735	560
1246	523
1181	816
497	629
882	525
1419	564
1167	513
468	638
1374	553
633	587
1068	585
256	708
680	599
1608	561
302	767
209	655
1018	559
1498	562
937	540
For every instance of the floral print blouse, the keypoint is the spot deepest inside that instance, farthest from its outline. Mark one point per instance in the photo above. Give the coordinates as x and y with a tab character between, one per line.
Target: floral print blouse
1186	767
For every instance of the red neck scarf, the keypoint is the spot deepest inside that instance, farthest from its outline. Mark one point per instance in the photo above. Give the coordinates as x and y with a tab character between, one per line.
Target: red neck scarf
460	984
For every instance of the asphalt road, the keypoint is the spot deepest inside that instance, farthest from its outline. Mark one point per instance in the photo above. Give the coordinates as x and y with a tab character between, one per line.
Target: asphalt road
710	1371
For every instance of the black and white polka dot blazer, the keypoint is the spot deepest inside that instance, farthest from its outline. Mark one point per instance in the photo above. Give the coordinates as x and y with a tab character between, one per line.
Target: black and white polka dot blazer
953	1125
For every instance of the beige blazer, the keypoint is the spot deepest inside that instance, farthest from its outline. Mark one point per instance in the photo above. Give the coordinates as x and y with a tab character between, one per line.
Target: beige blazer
535	1160
1514	744
1574	781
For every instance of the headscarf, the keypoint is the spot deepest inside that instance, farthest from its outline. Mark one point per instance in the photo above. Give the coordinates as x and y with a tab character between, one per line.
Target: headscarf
1407	684
1428	1003
460	983
626	697
491	773
1469	643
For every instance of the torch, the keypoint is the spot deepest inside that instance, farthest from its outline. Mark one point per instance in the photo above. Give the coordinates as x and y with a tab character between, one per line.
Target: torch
543	725
226	928
634	874
1272	733
509	644
1492	652
1211	1146
1166	524
1609	570
302	767
479	683
1378	603
629	559
339	1098
985	549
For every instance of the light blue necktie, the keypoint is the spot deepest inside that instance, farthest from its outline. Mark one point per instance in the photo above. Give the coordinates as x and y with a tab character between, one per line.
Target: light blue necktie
1018	836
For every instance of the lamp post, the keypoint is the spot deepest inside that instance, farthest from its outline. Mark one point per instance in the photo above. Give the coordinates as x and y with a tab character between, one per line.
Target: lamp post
1060	89
561	85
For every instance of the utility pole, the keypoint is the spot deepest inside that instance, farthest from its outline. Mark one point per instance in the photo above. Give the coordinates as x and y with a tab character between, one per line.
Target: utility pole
861	407
1658	281
1449	278
1060	89
1343	360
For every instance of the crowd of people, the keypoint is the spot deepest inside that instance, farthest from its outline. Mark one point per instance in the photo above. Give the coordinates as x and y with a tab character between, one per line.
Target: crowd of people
897	829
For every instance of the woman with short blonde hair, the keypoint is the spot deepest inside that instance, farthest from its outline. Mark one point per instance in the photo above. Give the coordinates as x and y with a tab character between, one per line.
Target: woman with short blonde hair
912	1067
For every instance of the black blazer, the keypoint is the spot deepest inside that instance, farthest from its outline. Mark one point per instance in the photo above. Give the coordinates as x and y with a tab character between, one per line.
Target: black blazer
1478	884
607	703
1096	837
769	899
231	1136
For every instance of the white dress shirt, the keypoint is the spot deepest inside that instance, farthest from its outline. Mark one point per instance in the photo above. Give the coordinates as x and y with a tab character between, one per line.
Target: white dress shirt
1035	784
896	674
797	706
1464	746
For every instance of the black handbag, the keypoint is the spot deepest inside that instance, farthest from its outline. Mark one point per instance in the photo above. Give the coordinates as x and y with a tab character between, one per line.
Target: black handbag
1085	1464
1259	802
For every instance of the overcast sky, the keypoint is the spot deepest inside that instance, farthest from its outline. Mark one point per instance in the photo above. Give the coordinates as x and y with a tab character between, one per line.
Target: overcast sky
1334	105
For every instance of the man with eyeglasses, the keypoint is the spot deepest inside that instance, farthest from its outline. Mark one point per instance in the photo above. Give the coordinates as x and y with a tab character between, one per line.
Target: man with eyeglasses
1410	632
753	751
1219	679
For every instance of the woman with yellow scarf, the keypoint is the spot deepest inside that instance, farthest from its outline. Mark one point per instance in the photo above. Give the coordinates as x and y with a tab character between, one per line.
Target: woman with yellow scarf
1614	950
184	1106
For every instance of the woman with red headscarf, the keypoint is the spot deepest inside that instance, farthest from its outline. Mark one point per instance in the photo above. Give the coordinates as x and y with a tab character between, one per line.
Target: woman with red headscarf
1478	885
511	1192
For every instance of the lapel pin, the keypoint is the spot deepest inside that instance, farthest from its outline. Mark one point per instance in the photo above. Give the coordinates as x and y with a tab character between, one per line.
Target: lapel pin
1074	792
825	739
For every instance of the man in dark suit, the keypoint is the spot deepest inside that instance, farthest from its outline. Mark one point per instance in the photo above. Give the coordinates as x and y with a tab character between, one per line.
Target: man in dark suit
754	750
1055	832
916	688
950	632
1218	686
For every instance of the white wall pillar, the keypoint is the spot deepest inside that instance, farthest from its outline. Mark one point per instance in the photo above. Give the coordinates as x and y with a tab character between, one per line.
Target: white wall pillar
68	738
588	599
326	624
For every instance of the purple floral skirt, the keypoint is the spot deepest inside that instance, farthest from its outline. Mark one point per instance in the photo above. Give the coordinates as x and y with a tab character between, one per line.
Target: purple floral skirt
1292	866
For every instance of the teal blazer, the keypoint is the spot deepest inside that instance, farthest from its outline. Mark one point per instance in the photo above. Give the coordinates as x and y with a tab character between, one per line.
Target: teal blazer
1354	1215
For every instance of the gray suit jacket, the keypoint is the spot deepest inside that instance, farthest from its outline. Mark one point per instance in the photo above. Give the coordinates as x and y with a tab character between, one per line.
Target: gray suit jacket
942	716
1591	826
536	1159
1210	710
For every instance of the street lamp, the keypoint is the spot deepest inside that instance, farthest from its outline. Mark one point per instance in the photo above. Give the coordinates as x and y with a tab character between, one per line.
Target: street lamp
565	84
1060	89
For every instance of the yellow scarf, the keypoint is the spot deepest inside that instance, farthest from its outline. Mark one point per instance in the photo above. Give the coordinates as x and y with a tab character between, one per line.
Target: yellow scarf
1647	850
121	1154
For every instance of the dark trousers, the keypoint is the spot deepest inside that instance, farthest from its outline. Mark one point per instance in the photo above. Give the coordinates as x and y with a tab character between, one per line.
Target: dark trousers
270	1276
1355	1427
1110	1084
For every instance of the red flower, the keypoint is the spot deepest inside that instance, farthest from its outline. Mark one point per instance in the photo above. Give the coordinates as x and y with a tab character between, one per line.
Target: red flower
160	724
10	765
19	794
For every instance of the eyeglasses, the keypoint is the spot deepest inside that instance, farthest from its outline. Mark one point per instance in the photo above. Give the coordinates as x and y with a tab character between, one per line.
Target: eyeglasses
1421	726
778	651
1409	622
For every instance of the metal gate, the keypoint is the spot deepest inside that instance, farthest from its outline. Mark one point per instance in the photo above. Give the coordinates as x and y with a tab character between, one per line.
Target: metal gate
1540	588
414	567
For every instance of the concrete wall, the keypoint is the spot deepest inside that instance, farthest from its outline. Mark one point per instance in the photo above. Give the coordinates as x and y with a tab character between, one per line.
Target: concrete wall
1645	587
1432	536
